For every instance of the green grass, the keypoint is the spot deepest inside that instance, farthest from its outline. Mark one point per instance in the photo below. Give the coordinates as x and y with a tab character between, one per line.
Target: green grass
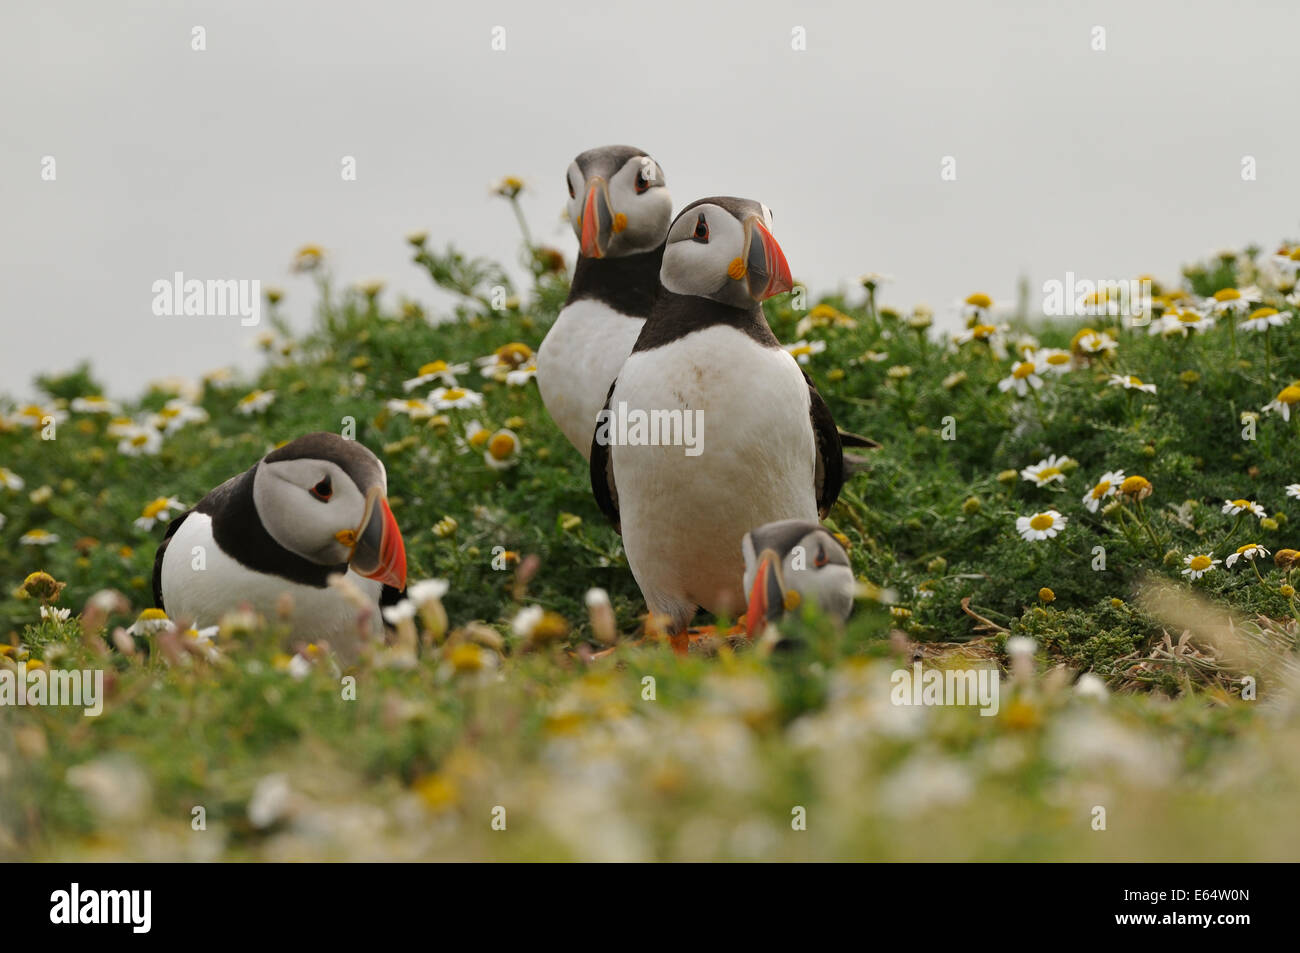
734	740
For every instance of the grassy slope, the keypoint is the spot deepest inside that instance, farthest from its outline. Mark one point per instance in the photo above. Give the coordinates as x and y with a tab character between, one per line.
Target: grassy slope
713	766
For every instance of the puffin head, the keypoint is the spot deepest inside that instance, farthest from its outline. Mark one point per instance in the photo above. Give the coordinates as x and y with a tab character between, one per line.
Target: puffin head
618	202
789	562
723	249
325	499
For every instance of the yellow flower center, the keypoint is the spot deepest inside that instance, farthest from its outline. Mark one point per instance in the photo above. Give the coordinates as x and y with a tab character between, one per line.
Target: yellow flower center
1101	489
1041	522
1200	562
1244	504
433	367
156	507
1290	394
980	300
152	615
1244	549
501	446
982	331
478	438
514	353
1227	294
453	393
1262	313
1022	370
139	440
1058	359
1047	473
1134	484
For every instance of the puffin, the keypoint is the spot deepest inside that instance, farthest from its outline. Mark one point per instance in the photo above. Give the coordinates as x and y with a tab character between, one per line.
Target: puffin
790	562
770	449
620	209
311	508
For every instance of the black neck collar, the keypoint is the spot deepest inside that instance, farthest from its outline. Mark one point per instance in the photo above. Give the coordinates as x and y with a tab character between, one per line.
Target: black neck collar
676	316
627	284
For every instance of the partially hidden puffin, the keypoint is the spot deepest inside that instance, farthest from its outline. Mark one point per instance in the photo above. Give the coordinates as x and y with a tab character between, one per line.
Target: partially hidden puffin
620	209
789	563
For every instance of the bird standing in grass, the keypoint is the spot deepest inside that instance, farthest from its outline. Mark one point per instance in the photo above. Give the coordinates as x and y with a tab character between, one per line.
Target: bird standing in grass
620	209
769	449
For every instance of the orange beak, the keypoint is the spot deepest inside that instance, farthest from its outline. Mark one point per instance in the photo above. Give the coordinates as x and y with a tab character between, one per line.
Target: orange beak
767	596
597	221
768	272
380	553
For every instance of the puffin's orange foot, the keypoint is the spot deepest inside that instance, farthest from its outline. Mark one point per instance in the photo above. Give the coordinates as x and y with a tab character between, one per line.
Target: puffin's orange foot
680	641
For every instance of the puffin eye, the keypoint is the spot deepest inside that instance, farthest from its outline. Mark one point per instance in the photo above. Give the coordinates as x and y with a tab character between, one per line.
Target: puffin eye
701	233
642	183
323	490
569	182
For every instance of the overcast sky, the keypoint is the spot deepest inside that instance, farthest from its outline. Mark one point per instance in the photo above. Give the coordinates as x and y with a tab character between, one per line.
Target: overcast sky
221	163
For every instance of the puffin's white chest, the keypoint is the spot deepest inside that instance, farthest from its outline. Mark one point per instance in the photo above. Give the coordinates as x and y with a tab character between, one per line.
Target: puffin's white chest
203	586
683	517
578	360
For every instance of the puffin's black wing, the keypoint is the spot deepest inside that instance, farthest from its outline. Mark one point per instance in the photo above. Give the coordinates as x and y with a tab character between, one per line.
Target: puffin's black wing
856	441
172	527
830	453
602	471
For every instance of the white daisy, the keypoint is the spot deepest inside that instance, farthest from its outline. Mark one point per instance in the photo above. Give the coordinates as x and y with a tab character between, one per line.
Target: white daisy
502	450
1293	490
158	511
94	405
521	375
55	615
1233	300
10	480
1102	489
1199	565
1281	404
1249	551
1051	470
412	407
802	351
38	537
1054	359
135	440
255	402
176	413
444	398
1233	507
36	415
1040	526
976	308
436	371
504	359
1089	341
149	621
1261	319
1024	375
1129	382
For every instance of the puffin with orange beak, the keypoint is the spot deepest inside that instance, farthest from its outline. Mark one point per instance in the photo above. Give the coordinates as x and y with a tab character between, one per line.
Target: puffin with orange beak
620	209
758	444
791	563
312	508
